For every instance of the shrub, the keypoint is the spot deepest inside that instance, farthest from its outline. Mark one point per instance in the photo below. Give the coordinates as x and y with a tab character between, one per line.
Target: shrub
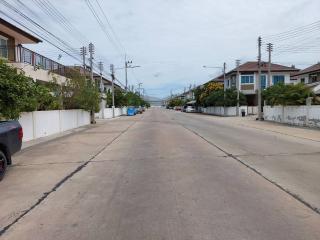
174	102
281	94
216	98
19	93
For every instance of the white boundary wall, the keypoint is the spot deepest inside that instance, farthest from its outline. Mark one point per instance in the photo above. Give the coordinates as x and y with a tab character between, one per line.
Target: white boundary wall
224	111
45	123
308	116
107	112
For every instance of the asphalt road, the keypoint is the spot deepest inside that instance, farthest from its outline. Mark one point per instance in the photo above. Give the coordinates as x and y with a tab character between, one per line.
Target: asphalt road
163	175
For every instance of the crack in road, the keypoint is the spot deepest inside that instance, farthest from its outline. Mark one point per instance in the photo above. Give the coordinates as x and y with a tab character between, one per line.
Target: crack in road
294	195
61	182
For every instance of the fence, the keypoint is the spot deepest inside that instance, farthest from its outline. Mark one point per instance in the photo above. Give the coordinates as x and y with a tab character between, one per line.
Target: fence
107	113
308	116
45	123
224	111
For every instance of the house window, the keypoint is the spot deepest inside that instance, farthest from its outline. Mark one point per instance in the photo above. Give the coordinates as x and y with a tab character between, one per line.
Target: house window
247	79
302	80
276	79
263	80
3	47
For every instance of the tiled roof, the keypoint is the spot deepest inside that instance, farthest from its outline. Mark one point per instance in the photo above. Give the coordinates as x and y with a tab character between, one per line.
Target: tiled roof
313	68
253	67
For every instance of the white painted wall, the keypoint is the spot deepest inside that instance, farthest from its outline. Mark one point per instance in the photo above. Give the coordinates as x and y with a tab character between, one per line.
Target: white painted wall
221	111
108	112
45	123
295	115
39	74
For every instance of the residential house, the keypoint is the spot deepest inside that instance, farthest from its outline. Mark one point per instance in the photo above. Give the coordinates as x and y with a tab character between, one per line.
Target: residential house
310	76
248	75
31	63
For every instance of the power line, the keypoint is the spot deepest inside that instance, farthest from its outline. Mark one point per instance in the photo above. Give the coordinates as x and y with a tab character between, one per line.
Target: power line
102	26
12	8
111	28
47	40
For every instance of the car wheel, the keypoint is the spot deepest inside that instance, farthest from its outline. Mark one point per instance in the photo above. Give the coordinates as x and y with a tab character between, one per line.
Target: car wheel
3	164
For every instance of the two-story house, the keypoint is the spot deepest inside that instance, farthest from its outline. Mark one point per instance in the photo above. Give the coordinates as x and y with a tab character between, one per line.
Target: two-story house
34	65
248	75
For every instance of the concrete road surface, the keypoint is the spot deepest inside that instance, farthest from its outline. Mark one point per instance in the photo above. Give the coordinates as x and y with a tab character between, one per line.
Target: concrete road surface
164	175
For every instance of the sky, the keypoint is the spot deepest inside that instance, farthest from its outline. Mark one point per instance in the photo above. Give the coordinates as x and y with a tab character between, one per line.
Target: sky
171	40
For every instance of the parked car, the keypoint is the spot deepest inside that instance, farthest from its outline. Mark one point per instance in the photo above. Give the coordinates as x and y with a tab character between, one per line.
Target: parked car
138	110
177	108
11	135
190	109
184	109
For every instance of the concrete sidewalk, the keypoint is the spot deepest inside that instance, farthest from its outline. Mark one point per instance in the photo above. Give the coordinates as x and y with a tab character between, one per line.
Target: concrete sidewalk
45	162
251	122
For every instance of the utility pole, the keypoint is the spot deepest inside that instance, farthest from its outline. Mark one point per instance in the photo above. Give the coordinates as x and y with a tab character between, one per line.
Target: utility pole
103	102
127	64
238	87
269	49
91	51
224	88
83	53
139	88
112	78
259	80
100	65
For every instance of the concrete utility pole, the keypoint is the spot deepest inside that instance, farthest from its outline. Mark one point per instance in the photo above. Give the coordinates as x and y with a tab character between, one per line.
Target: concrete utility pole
91	51
139	88
224	88
83	53
127	64
101	87
238	87
260	118
269	49
103	101
112	78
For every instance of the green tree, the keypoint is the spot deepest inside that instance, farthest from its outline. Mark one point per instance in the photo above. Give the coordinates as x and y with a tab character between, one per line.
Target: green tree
174	102
216	98
79	93
281	94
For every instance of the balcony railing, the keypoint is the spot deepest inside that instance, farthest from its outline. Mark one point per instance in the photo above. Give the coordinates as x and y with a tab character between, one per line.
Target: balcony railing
21	54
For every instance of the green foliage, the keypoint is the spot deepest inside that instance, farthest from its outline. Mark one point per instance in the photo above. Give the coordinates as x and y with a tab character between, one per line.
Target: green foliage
19	93
79	93
216	98
281	94
122	99
174	102
202	93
